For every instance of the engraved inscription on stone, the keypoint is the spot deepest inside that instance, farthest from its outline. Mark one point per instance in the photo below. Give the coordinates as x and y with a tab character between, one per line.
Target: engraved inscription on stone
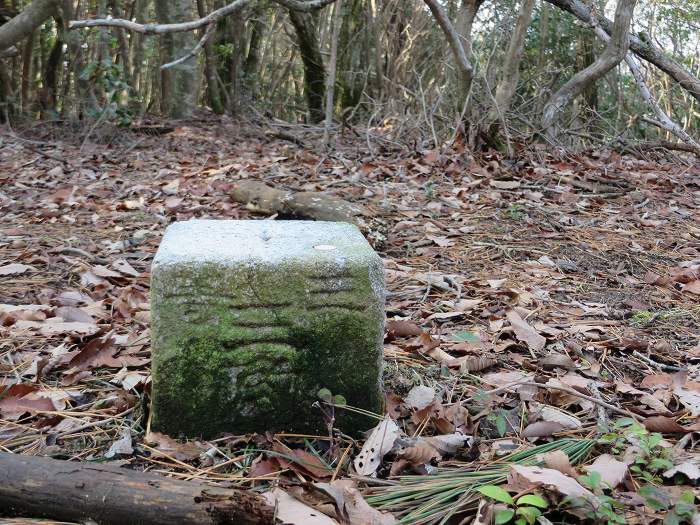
252	318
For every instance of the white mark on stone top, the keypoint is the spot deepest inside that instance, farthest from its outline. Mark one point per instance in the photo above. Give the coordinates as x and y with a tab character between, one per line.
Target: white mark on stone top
249	242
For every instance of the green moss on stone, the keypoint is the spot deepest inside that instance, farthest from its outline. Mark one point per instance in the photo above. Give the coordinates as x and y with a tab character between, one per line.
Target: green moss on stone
246	349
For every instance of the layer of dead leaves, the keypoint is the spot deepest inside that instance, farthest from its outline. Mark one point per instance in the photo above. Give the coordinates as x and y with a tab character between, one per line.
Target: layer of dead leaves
521	292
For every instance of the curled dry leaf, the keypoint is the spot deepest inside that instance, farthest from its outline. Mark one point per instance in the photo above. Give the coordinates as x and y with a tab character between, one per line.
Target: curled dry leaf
392	405
419	453
301	461
510	379
352	506
15	269
663	424
173	448
551	414
123	267
424	343
477	364
552	361
653	381
56	326
378	444
690	468
73	314
121	446
690	398
541	429
654	403
444	358
504	184
400	329
448	444
558	460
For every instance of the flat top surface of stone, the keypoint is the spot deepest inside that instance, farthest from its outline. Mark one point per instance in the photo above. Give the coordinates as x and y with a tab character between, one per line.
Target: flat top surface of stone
234	241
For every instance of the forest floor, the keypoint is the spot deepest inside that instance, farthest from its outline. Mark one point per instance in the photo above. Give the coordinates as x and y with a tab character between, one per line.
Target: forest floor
577	275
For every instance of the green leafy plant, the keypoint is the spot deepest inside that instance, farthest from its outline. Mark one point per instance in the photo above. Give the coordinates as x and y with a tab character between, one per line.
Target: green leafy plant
500	421
109	77
516	212
430	190
326	395
600	508
641	318
525	510
677	512
650	458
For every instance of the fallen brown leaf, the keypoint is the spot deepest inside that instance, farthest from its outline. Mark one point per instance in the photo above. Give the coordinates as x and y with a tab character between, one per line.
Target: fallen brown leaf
663	424
524	332
401	329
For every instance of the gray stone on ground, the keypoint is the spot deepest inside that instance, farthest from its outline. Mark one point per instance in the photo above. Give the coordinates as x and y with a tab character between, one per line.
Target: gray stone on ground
252	318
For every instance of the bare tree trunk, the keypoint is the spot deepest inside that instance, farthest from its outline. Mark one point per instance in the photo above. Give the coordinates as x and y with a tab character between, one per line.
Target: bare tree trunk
614	53
123	44
213	91
464	67
51	70
376	37
6	106
24	24
251	66
332	63
27	62
466	22
136	43
179	83
511	67
314	73
585	56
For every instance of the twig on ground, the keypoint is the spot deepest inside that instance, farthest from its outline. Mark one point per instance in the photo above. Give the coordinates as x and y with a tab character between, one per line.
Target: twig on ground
568	390
660	366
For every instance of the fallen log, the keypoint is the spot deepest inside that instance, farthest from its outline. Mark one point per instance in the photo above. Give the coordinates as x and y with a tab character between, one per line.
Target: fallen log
261	198
32	486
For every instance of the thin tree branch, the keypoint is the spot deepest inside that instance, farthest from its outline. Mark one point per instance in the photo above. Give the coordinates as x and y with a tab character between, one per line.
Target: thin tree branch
214	16
664	120
159	29
570	391
464	67
9	52
304	6
195	50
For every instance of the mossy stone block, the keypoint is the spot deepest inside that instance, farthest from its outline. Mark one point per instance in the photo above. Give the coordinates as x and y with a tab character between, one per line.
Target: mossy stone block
252	318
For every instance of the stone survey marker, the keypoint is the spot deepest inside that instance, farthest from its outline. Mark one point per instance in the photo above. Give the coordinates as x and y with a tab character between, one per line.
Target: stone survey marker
252	318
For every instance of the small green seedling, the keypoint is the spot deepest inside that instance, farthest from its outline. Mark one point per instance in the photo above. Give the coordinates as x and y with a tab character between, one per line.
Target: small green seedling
681	511
651	457
525	510
326	395
601	508
641	318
